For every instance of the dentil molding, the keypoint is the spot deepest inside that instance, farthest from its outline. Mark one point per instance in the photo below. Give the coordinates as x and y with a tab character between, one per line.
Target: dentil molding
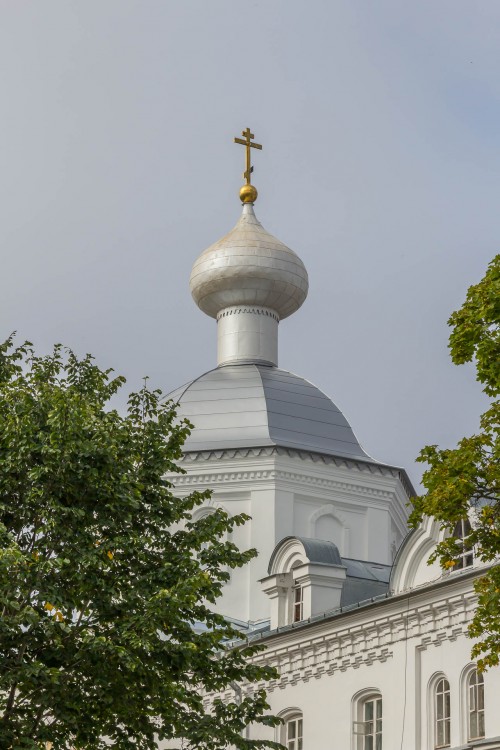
365	643
212	478
193	457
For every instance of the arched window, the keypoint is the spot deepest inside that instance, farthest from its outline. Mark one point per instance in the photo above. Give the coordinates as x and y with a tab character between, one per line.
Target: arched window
465	553
367	727
475	705
330	524
291	732
442	714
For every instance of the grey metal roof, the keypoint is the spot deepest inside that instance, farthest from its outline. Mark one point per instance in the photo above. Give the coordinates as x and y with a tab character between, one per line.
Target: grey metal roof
368	570
319	551
250	405
364	580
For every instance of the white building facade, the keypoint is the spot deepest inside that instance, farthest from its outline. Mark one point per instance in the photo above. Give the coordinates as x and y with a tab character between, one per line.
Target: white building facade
370	642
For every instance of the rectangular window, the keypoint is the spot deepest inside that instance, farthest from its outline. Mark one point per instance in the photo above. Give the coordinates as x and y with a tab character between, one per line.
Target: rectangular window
294	734
465	551
442	713
370	729
297	604
476	705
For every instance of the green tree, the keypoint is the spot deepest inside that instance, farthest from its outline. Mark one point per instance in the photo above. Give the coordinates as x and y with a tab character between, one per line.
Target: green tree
106	583
465	481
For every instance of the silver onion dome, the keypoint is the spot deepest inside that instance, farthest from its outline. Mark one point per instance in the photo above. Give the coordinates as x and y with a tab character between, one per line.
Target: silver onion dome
249	267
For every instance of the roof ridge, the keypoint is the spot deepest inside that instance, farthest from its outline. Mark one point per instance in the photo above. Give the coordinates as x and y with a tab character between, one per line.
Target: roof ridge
190	383
257	367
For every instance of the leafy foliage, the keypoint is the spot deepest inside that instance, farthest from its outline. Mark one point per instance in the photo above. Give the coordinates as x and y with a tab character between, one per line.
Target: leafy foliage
465	481
476	329
107	638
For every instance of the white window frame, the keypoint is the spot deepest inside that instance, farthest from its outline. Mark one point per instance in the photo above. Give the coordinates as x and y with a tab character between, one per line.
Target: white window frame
441	695
465	554
291	732
297	603
367	726
294	733
474	685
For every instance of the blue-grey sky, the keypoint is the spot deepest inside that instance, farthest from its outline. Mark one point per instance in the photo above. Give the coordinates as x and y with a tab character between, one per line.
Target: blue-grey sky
380	123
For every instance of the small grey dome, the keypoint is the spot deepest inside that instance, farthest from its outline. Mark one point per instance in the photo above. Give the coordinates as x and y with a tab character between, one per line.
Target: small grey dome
249	267
252	405
319	551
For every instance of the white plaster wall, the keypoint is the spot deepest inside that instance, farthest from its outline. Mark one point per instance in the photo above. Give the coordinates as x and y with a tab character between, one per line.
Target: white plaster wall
240	578
394	648
327	703
284	513
370	506
378	535
283	493
325	696
263	538
328	527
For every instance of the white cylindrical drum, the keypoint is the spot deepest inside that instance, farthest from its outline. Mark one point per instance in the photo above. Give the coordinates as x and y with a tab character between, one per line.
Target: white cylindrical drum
247	333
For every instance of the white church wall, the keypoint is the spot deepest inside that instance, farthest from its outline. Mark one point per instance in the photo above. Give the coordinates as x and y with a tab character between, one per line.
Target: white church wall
287	493
239	581
263	536
378	535
327	526
240	485
349	490
397	648
284	513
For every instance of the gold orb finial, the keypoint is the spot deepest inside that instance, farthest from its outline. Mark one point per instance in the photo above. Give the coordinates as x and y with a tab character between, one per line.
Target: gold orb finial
248	193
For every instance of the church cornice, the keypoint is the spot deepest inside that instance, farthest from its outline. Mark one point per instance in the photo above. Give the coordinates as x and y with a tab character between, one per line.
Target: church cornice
215	478
193	457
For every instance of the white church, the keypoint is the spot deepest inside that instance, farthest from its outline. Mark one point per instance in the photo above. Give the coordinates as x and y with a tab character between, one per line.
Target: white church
369	640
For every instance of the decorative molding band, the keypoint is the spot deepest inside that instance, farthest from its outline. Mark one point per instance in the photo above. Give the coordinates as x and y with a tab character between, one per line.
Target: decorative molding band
221	477
275	450
366	643
212	478
237	310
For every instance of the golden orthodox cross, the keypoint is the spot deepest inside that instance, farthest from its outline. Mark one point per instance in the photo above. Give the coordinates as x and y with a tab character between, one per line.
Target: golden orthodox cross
248	136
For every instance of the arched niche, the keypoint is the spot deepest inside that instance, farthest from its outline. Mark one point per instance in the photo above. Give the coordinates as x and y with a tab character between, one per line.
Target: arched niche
328	524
